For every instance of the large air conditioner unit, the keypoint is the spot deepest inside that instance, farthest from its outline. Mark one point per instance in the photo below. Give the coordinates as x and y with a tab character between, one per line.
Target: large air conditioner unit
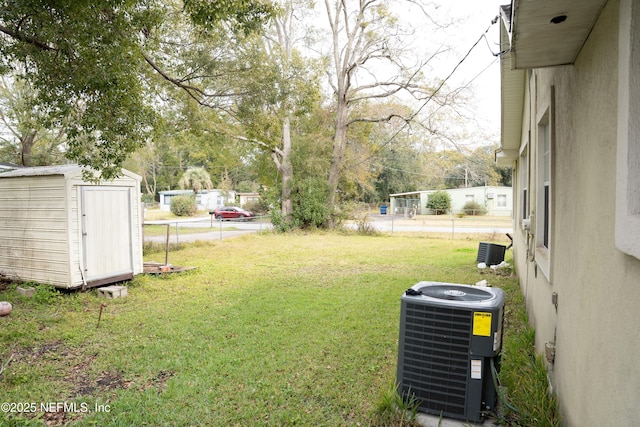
450	335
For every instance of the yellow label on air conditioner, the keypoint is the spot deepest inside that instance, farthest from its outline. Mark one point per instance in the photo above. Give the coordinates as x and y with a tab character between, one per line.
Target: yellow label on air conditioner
482	324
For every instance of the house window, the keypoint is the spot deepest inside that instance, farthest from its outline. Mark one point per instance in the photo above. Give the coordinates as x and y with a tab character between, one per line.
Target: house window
627	230
545	154
524	181
501	201
470	198
544	189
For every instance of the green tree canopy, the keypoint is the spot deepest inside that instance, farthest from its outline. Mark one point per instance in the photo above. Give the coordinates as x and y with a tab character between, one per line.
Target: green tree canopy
89	63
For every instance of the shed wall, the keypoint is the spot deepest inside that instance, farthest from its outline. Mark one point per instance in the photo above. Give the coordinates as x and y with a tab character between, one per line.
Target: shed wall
41	230
34	227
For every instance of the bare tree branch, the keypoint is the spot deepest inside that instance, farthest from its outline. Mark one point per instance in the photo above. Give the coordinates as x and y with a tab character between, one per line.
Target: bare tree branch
194	92
262	144
26	39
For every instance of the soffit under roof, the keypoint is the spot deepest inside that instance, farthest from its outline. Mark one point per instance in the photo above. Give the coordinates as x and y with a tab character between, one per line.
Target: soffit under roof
530	39
536	41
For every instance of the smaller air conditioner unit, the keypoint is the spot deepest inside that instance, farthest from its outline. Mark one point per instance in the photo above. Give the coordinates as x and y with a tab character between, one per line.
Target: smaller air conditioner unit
490	253
450	335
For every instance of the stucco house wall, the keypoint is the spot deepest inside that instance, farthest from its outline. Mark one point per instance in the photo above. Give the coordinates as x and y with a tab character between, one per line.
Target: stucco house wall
582	291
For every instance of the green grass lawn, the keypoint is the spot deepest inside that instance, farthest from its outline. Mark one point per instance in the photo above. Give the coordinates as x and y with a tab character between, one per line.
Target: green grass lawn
268	330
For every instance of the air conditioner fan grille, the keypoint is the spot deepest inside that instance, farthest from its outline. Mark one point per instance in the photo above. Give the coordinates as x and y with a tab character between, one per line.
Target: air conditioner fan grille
454	293
436	356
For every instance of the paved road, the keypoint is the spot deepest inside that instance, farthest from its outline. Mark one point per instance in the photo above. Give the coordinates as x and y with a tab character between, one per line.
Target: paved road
211	230
216	230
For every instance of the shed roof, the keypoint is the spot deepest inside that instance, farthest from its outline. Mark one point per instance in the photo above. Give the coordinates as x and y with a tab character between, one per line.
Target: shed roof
68	171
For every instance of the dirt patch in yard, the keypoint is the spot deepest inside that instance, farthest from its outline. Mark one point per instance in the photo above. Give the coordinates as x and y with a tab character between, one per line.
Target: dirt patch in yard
87	385
80	382
73	367
159	382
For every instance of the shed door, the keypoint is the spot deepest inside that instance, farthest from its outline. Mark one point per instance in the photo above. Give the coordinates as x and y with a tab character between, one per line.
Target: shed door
106	231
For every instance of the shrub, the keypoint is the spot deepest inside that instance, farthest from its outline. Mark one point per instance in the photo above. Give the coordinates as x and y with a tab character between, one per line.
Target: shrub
439	202
148	198
310	206
474	208
310	203
256	207
362	221
280	223
183	205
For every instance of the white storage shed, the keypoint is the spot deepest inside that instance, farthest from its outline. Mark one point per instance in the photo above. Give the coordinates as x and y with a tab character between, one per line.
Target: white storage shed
58	229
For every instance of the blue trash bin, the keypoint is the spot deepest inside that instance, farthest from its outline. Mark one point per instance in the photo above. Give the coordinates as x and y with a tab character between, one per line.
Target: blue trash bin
383	210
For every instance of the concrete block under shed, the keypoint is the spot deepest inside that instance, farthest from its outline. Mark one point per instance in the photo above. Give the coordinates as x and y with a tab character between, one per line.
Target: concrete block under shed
113	291
26	292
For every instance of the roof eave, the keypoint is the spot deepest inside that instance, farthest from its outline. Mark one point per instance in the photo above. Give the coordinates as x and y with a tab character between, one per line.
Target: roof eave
512	86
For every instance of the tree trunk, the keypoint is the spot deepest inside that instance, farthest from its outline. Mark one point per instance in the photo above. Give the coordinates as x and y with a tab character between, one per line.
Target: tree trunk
286	169
149	188
337	157
27	141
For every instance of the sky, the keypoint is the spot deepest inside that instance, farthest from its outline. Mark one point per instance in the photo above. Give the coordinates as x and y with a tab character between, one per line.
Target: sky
469	60
481	67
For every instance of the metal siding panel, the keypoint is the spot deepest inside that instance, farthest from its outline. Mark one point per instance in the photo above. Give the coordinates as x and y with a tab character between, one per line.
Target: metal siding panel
73	221
33	229
136	229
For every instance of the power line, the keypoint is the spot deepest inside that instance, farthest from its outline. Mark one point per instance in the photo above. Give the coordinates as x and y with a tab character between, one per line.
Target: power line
441	85
417	173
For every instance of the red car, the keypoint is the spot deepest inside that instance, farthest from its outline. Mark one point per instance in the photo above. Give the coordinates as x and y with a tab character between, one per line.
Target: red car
231	212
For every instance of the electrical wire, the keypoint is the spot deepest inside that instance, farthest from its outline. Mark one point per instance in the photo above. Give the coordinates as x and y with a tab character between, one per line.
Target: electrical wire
416	173
440	86
464	58
502	397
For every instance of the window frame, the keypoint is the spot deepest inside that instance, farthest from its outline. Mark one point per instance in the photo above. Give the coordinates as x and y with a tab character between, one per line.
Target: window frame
524	182
627	218
544	182
544	165
501	200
